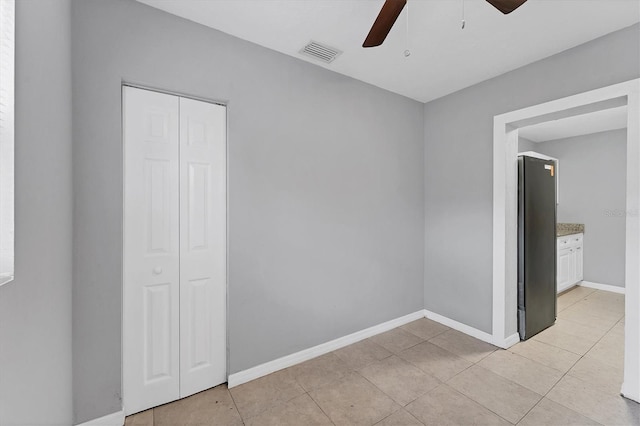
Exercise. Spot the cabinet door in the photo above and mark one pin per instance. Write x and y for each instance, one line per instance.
(579, 263)
(564, 282)
(572, 266)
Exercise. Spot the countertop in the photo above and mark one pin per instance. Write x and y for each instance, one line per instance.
(563, 229)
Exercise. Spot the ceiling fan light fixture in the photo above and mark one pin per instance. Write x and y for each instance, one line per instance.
(391, 10)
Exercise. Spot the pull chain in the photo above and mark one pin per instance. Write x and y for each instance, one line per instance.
(407, 52)
(464, 23)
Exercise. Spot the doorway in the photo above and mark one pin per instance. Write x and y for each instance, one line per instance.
(506, 131)
(174, 254)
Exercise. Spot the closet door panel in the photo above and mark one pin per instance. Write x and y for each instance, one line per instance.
(202, 246)
(151, 373)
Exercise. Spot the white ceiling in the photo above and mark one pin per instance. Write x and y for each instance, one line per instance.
(444, 58)
(585, 124)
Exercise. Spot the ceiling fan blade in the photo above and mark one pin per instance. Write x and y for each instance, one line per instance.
(386, 18)
(506, 6)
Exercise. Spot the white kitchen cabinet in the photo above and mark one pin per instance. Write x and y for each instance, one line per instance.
(563, 269)
(579, 257)
(569, 261)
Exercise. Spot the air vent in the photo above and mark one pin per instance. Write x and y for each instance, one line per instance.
(321, 52)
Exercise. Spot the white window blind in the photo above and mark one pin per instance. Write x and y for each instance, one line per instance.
(7, 54)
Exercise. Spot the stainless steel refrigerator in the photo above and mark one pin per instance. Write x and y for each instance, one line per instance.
(537, 296)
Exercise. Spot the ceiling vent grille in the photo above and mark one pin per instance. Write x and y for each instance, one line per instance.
(321, 52)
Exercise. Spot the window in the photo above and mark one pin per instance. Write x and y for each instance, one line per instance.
(7, 50)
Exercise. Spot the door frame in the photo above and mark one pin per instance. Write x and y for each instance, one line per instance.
(505, 209)
(226, 104)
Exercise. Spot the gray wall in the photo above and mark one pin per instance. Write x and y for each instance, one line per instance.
(525, 144)
(35, 309)
(326, 196)
(459, 165)
(593, 191)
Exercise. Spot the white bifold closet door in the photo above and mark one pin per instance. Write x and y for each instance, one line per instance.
(174, 296)
(203, 291)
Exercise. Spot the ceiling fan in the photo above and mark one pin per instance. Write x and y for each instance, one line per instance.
(391, 10)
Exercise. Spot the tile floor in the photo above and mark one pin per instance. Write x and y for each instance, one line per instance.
(424, 373)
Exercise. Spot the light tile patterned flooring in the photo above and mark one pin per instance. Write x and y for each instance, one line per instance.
(424, 373)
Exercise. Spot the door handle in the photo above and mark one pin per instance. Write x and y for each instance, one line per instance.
(157, 270)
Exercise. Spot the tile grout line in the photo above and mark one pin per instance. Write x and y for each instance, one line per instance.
(408, 347)
(235, 405)
(575, 322)
(555, 384)
(422, 339)
(389, 396)
(446, 350)
(354, 370)
(465, 369)
(407, 411)
(587, 325)
(524, 387)
(590, 347)
(397, 355)
(321, 409)
(579, 300)
(455, 355)
(582, 300)
(550, 389)
(432, 337)
(567, 373)
(541, 396)
(553, 387)
(471, 399)
(440, 382)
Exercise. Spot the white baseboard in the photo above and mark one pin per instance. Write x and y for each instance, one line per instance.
(113, 419)
(567, 288)
(261, 370)
(605, 287)
(629, 395)
(473, 332)
(307, 354)
(508, 342)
